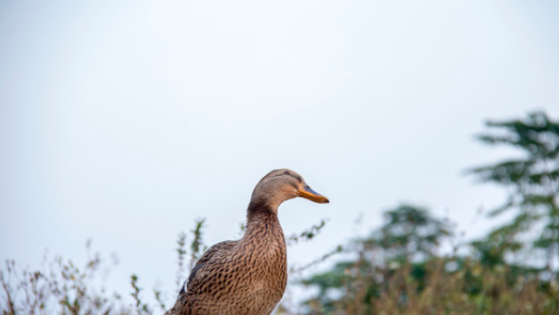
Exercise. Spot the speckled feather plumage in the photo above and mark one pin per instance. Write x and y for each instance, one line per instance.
(243, 277)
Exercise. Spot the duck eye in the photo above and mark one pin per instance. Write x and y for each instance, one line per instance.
(286, 173)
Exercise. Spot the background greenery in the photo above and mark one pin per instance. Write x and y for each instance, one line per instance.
(413, 264)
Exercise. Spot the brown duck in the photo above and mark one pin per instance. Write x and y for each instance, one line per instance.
(247, 276)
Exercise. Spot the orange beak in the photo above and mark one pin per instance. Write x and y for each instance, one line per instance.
(308, 193)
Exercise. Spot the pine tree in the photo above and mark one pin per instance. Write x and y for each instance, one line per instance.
(533, 184)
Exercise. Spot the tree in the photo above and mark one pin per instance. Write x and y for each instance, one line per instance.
(410, 233)
(533, 184)
(397, 270)
(406, 241)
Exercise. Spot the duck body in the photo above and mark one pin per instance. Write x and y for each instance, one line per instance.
(228, 281)
(243, 277)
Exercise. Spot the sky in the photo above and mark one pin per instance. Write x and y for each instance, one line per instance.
(124, 121)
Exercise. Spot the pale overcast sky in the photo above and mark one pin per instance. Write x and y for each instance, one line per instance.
(123, 121)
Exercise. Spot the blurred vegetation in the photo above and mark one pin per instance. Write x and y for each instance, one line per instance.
(401, 269)
(60, 287)
(414, 263)
(532, 183)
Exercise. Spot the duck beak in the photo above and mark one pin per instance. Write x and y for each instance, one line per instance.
(308, 193)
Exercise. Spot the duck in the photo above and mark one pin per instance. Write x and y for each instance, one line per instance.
(247, 276)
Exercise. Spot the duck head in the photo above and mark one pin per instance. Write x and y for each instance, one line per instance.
(281, 185)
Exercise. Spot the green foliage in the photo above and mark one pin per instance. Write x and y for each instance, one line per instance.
(307, 234)
(533, 183)
(398, 271)
(141, 308)
(388, 278)
(409, 232)
(409, 237)
(196, 246)
(181, 252)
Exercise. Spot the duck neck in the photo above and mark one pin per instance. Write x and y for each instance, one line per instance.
(261, 216)
(260, 211)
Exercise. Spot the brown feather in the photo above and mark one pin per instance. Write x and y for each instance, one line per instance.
(247, 276)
